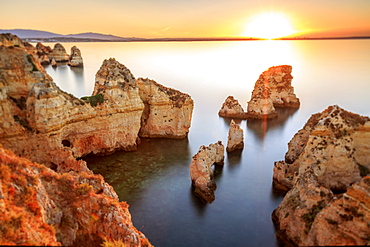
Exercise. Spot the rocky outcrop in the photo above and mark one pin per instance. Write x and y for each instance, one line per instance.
(43, 53)
(34, 110)
(167, 112)
(235, 139)
(41, 207)
(272, 89)
(11, 40)
(75, 59)
(201, 173)
(59, 53)
(325, 172)
(280, 83)
(232, 109)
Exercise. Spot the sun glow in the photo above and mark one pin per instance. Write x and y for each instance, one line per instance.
(269, 26)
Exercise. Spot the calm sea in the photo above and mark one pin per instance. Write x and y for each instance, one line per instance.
(155, 179)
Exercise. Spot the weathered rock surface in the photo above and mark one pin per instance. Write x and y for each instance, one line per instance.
(232, 109)
(235, 138)
(167, 112)
(201, 173)
(325, 172)
(75, 59)
(43, 53)
(59, 53)
(41, 207)
(272, 89)
(10, 40)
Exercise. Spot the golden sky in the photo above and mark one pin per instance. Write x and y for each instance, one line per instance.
(184, 18)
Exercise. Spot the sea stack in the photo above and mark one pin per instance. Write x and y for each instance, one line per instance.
(235, 138)
(59, 53)
(168, 112)
(75, 60)
(232, 109)
(201, 173)
(272, 89)
(326, 173)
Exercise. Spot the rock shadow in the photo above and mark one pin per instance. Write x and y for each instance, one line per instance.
(260, 127)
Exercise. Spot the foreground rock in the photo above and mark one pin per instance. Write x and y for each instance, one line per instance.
(235, 138)
(272, 89)
(201, 173)
(41, 207)
(325, 171)
(167, 112)
(232, 109)
(75, 59)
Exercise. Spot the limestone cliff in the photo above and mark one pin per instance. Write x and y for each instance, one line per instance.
(167, 112)
(232, 109)
(34, 110)
(201, 173)
(272, 89)
(75, 59)
(324, 171)
(235, 139)
(41, 207)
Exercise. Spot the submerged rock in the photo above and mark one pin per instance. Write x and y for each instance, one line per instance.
(325, 172)
(272, 89)
(201, 173)
(232, 109)
(75, 59)
(235, 138)
(167, 112)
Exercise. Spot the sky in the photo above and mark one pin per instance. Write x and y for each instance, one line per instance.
(186, 18)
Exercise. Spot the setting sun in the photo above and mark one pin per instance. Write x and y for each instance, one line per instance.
(269, 26)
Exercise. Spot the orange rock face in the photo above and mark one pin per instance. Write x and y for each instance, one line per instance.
(41, 207)
(272, 89)
(325, 173)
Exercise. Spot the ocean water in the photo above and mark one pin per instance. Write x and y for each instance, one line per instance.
(155, 179)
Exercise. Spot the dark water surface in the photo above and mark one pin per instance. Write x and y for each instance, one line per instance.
(155, 179)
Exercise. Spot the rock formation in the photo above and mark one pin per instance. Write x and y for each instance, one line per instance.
(167, 112)
(43, 53)
(75, 60)
(235, 138)
(59, 53)
(272, 89)
(232, 109)
(41, 207)
(34, 110)
(10, 40)
(201, 173)
(325, 172)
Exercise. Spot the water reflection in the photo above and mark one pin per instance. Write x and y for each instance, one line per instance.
(261, 127)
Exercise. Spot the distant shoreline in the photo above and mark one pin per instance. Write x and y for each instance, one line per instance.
(67, 39)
